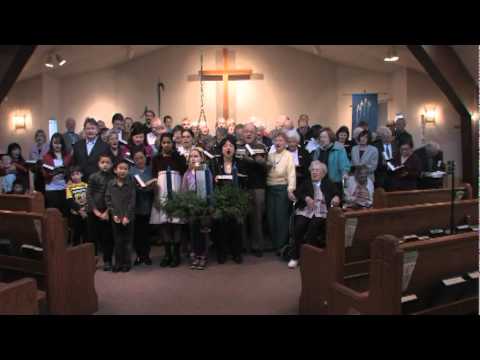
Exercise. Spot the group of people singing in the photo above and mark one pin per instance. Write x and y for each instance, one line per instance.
(108, 181)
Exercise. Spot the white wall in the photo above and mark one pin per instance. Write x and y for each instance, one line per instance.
(294, 82)
(25, 98)
(421, 92)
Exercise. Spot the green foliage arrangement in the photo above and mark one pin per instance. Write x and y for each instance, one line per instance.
(225, 202)
(230, 202)
(187, 205)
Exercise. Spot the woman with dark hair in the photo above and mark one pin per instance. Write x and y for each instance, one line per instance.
(365, 155)
(143, 207)
(342, 136)
(187, 143)
(311, 139)
(116, 150)
(228, 231)
(333, 154)
(14, 150)
(177, 137)
(167, 162)
(136, 141)
(55, 161)
(406, 168)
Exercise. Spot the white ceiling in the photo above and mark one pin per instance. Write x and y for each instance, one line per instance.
(468, 54)
(84, 58)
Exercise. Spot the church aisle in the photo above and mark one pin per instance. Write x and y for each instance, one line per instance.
(259, 286)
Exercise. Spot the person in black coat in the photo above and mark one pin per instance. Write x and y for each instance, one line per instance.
(228, 232)
(387, 150)
(86, 152)
(301, 158)
(431, 158)
(314, 197)
(405, 177)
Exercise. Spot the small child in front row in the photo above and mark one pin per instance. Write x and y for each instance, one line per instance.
(8, 176)
(199, 240)
(77, 203)
(120, 200)
(99, 223)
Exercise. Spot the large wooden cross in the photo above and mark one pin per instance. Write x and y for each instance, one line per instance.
(225, 75)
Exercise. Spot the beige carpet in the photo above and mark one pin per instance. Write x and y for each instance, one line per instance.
(258, 286)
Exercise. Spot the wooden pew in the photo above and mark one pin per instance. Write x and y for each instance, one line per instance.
(33, 202)
(65, 274)
(19, 297)
(436, 259)
(383, 199)
(346, 258)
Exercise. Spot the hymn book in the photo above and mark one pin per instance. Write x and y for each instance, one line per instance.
(394, 168)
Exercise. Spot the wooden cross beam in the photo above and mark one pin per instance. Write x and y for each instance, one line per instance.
(226, 74)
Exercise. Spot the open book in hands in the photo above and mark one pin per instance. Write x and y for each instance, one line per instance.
(394, 168)
(144, 184)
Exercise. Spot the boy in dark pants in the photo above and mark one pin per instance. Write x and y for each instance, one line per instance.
(99, 227)
(77, 203)
(120, 200)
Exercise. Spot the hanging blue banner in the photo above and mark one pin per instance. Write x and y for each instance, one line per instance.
(365, 108)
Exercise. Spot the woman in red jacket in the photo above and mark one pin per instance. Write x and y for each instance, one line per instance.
(55, 164)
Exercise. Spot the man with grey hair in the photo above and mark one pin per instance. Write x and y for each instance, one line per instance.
(254, 154)
(431, 158)
(70, 136)
(387, 150)
(401, 135)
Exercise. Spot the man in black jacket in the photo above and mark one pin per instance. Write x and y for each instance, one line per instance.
(86, 152)
(256, 170)
(314, 197)
(431, 158)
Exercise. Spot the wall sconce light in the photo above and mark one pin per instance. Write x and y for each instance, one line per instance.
(429, 116)
(19, 122)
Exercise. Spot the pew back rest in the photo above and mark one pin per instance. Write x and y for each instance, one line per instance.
(33, 202)
(417, 268)
(364, 226)
(44, 229)
(383, 199)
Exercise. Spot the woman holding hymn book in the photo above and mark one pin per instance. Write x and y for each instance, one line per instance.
(405, 168)
(142, 173)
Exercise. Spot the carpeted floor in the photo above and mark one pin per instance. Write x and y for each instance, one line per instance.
(259, 286)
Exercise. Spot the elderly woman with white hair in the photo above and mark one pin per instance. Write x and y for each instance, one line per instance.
(301, 157)
(314, 197)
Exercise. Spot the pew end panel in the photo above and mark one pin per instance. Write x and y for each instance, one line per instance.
(19, 297)
(81, 267)
(314, 297)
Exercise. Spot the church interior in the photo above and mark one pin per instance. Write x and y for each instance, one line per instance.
(410, 250)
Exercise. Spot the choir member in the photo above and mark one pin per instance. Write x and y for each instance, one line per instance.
(314, 197)
(342, 136)
(228, 231)
(256, 169)
(143, 207)
(86, 152)
(407, 168)
(281, 183)
(167, 159)
(70, 136)
(359, 189)
(332, 154)
(55, 178)
(365, 155)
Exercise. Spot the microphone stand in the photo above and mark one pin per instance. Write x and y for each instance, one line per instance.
(451, 171)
